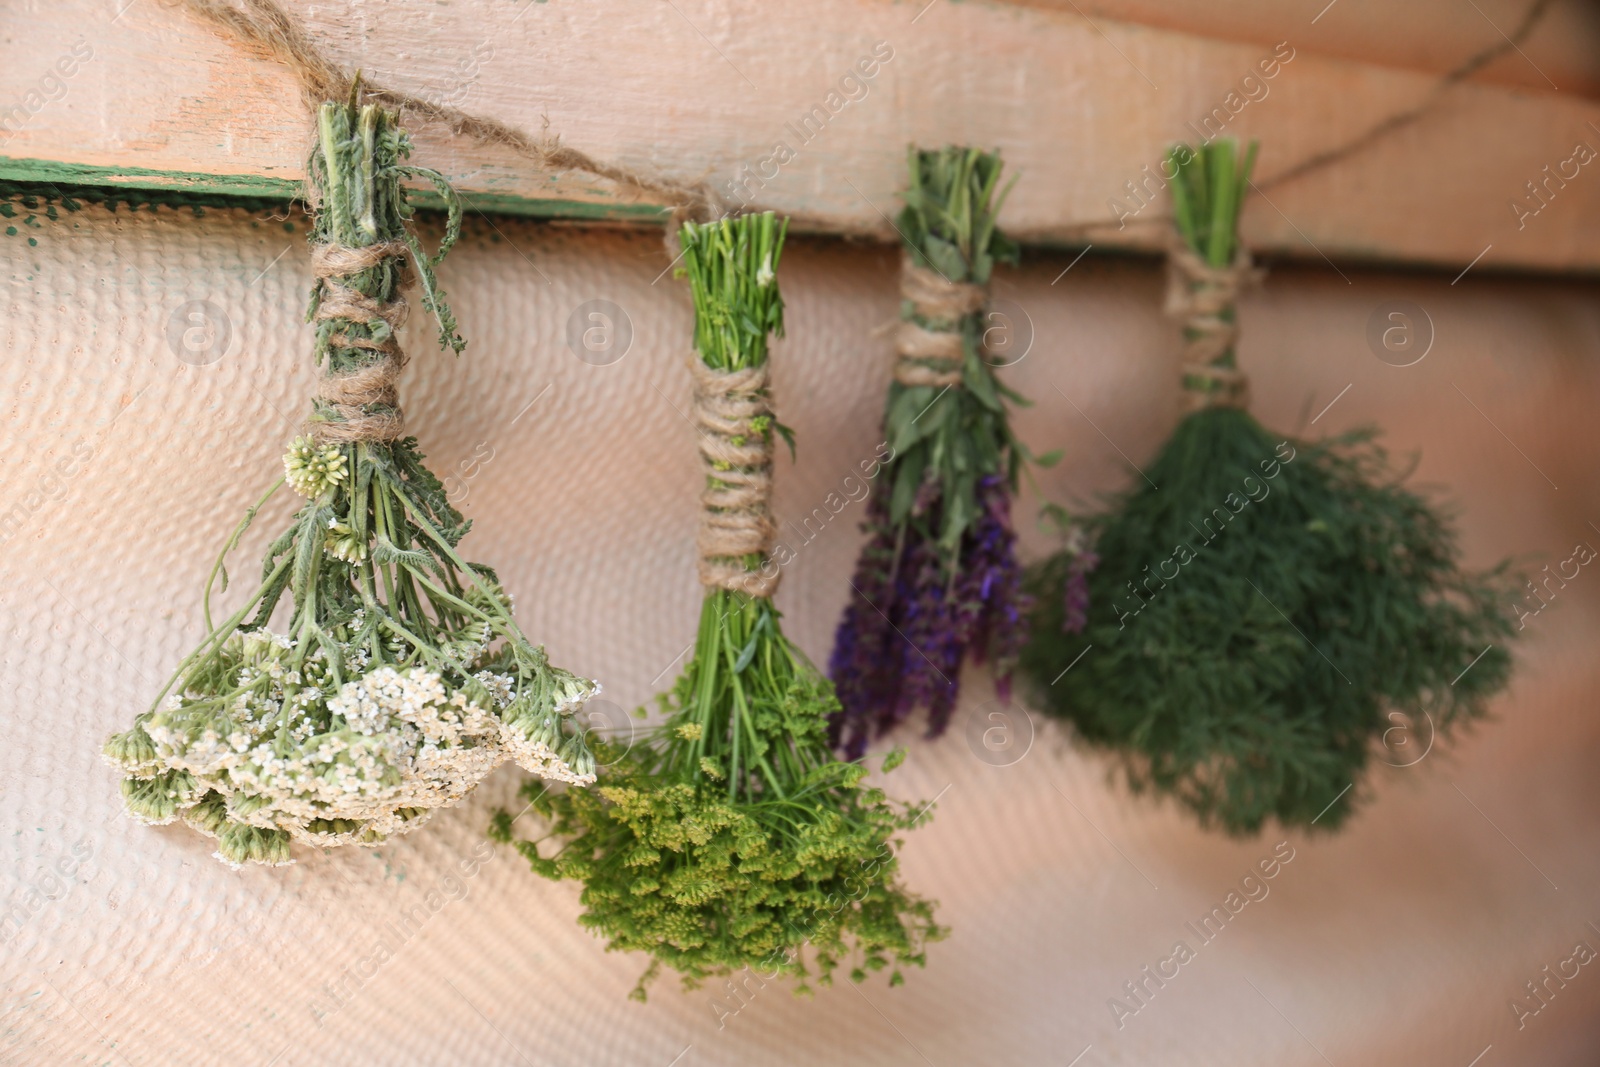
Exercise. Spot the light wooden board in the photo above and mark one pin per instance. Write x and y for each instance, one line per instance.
(1428, 36)
(693, 89)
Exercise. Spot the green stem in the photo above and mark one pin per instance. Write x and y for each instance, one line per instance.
(335, 197)
(230, 545)
(220, 634)
(426, 526)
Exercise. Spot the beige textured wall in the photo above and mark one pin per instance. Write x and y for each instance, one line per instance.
(1399, 942)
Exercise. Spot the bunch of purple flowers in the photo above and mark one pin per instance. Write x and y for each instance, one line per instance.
(913, 620)
(938, 580)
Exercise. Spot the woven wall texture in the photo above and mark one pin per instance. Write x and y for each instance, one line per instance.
(1399, 942)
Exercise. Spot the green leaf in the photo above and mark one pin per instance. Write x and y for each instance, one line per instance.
(907, 479)
(945, 258)
(979, 380)
(906, 420)
(1005, 250)
(1054, 519)
(747, 654)
(787, 433)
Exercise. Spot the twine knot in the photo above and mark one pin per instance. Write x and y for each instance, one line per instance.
(1203, 296)
(736, 451)
(933, 355)
(345, 396)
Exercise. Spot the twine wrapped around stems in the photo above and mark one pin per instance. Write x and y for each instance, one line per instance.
(345, 397)
(927, 356)
(1203, 296)
(736, 520)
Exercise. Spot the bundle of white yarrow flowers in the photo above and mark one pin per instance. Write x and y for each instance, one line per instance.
(400, 679)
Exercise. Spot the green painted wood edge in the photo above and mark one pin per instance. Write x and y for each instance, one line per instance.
(138, 186)
(252, 189)
(51, 172)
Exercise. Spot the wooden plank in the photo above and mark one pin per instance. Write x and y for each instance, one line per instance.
(770, 102)
(1428, 36)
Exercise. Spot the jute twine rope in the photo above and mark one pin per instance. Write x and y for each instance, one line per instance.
(1203, 296)
(266, 25)
(263, 23)
(342, 413)
(735, 517)
(933, 356)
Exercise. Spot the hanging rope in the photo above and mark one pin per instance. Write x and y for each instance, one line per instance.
(347, 399)
(1203, 297)
(933, 354)
(736, 515)
(265, 24)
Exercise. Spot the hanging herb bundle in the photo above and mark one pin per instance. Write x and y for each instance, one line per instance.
(401, 679)
(1263, 607)
(938, 578)
(734, 837)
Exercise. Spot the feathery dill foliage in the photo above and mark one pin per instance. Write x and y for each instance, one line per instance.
(1257, 619)
(938, 578)
(401, 678)
(733, 837)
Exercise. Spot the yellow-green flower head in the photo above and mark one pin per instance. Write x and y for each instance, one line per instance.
(311, 470)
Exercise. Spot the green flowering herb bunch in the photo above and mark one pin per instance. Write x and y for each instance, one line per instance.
(399, 678)
(733, 837)
(1264, 609)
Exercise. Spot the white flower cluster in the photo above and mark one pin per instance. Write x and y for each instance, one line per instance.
(271, 749)
(532, 735)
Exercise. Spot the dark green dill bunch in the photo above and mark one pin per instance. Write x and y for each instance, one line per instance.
(1264, 609)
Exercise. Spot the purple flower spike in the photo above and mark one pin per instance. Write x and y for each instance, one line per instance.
(915, 616)
(1075, 615)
